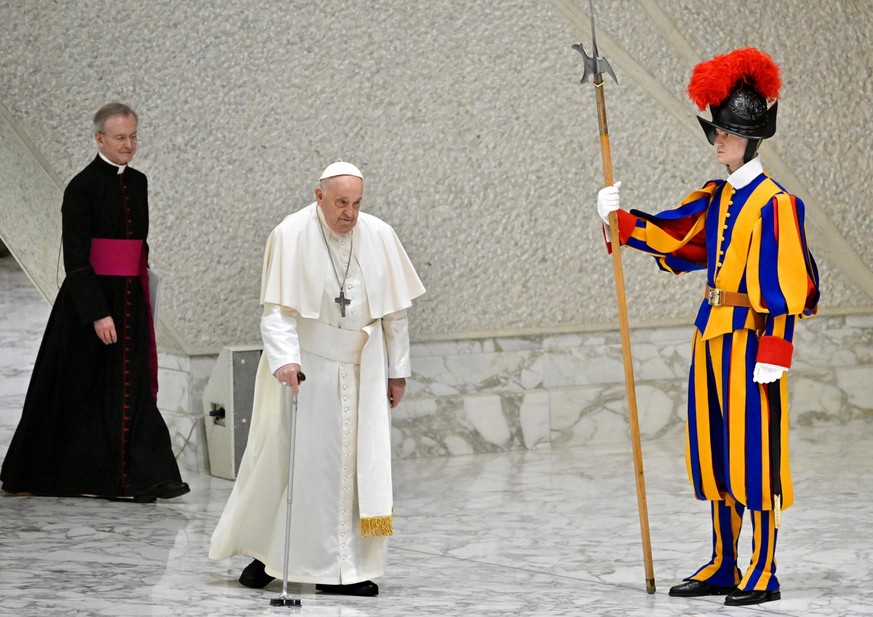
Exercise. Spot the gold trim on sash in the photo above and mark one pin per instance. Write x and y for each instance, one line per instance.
(377, 526)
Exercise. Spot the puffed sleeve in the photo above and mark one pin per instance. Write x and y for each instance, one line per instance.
(786, 275)
(675, 238)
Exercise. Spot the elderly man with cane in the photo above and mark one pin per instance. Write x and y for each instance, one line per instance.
(336, 287)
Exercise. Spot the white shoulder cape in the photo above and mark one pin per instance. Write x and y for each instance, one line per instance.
(296, 258)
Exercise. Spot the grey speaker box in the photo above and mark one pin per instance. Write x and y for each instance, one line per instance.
(227, 408)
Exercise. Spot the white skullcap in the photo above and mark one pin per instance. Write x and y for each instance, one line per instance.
(340, 168)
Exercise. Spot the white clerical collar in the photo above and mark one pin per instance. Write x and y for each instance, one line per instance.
(121, 168)
(746, 173)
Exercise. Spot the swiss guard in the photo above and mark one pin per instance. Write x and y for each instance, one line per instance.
(747, 233)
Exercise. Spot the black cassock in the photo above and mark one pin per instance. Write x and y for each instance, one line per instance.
(90, 423)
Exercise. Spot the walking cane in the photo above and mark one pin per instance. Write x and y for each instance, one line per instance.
(595, 66)
(286, 599)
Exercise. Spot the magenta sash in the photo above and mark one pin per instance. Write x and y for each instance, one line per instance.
(111, 257)
(117, 257)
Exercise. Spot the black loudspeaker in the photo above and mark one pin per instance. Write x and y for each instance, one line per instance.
(227, 406)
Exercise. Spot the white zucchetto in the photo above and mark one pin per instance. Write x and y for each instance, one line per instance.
(340, 168)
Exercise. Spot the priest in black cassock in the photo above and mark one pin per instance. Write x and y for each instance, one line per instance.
(90, 425)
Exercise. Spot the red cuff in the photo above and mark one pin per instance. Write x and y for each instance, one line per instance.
(775, 350)
(626, 224)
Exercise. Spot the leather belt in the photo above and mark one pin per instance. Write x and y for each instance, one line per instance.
(720, 297)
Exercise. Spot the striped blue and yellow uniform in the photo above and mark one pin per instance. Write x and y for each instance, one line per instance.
(750, 240)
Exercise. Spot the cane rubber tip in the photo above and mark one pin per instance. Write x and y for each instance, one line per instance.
(650, 585)
(284, 602)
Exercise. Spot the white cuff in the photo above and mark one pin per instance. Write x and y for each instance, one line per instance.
(395, 326)
(279, 333)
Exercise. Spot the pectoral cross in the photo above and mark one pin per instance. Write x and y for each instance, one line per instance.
(343, 302)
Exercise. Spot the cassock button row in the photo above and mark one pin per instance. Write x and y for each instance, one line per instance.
(727, 214)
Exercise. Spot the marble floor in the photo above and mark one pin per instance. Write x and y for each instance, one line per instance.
(542, 532)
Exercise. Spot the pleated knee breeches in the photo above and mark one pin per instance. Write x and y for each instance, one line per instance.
(729, 430)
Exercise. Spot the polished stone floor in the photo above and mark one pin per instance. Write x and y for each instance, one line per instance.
(543, 532)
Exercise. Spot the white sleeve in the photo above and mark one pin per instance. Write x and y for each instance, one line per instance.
(396, 329)
(279, 333)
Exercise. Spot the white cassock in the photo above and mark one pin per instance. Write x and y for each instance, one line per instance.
(342, 501)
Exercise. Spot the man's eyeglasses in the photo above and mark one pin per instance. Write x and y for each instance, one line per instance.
(120, 139)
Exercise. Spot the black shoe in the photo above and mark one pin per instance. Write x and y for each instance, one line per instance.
(693, 589)
(165, 490)
(364, 588)
(172, 489)
(744, 598)
(254, 576)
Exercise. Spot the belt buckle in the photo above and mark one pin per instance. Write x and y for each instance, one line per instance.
(715, 297)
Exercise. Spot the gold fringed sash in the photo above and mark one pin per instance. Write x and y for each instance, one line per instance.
(377, 526)
(367, 347)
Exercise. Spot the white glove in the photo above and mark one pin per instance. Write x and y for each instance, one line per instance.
(767, 373)
(607, 201)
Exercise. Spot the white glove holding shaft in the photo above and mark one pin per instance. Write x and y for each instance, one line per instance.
(767, 373)
(607, 201)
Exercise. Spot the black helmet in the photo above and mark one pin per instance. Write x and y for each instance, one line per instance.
(736, 88)
(744, 112)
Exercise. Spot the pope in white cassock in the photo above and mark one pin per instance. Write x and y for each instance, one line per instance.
(336, 286)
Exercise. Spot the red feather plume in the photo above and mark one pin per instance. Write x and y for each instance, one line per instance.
(712, 81)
